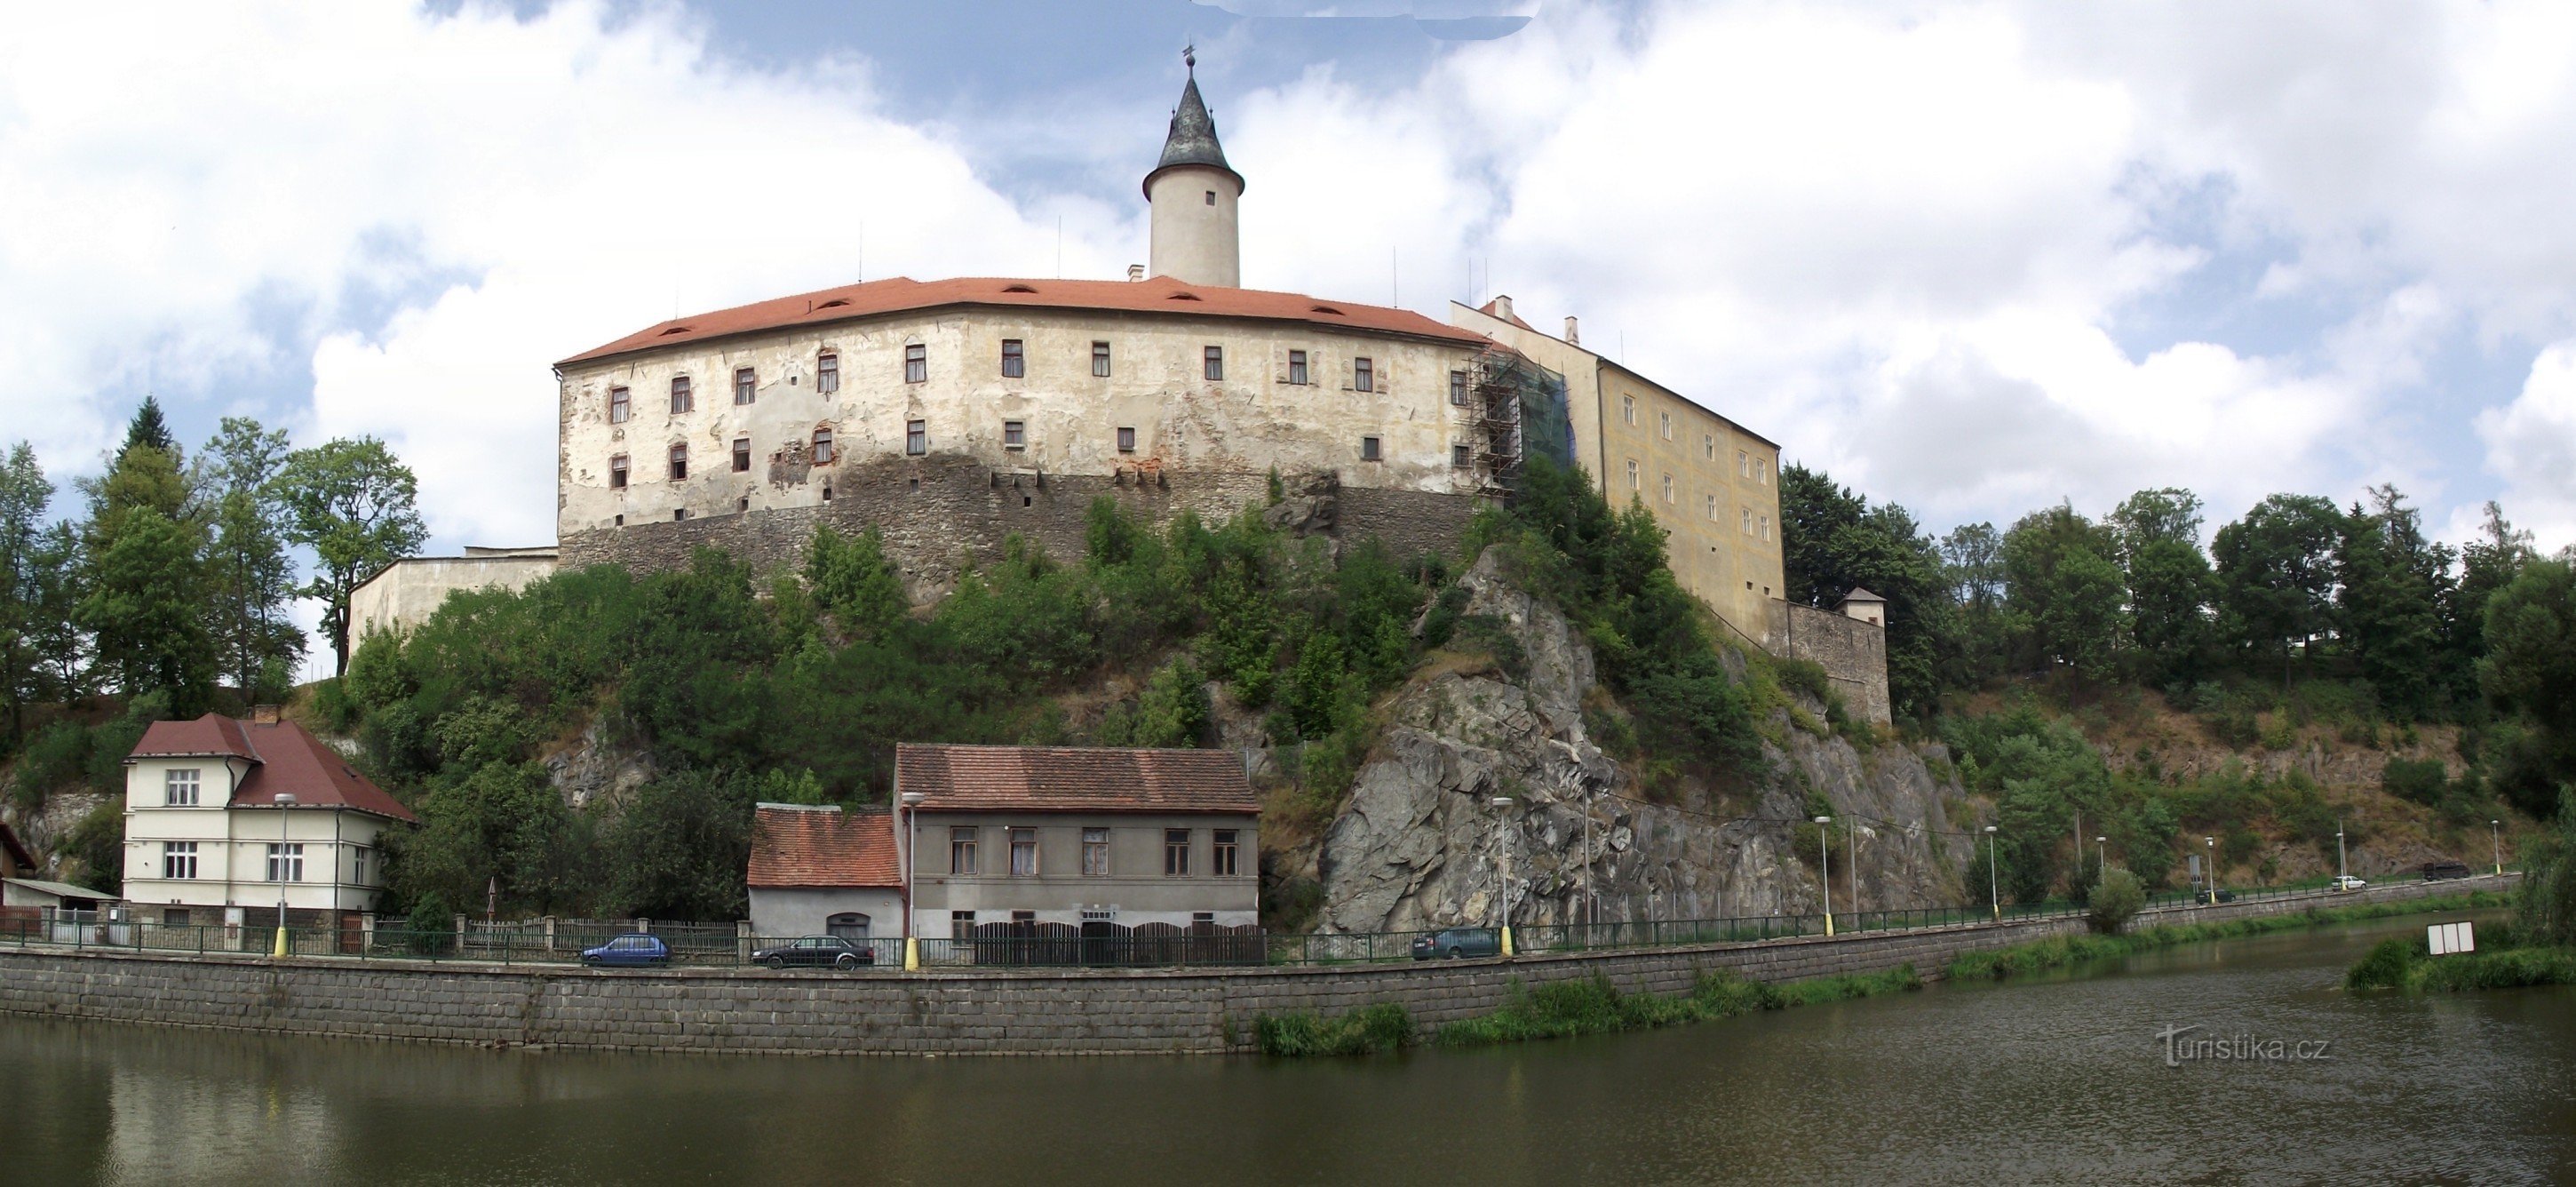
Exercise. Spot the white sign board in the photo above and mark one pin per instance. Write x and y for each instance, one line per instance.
(2447, 938)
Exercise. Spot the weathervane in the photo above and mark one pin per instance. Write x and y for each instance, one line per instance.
(1190, 58)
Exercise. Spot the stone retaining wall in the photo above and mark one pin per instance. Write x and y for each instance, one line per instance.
(939, 1012)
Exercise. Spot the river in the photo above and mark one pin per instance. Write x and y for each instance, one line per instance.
(2063, 1079)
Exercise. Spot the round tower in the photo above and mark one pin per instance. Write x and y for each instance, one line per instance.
(1193, 193)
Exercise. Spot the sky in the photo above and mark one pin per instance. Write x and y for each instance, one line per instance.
(1975, 258)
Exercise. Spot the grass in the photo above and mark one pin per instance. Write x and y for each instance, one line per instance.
(2058, 952)
(1364, 1031)
(1565, 1009)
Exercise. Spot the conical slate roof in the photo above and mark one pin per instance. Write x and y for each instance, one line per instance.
(1192, 140)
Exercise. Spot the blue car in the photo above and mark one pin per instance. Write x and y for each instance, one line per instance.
(633, 948)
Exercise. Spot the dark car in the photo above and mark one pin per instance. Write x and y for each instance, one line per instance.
(1458, 942)
(2203, 896)
(633, 948)
(816, 952)
(2435, 871)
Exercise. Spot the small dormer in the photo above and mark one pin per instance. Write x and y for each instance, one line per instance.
(1865, 606)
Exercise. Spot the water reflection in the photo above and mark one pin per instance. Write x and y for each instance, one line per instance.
(2062, 1081)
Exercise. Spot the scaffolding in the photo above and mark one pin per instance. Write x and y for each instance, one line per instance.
(1505, 398)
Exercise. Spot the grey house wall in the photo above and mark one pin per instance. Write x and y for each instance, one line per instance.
(804, 911)
(1136, 884)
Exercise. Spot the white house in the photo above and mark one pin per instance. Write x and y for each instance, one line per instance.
(225, 819)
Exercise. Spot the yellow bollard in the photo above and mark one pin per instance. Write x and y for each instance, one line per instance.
(911, 955)
(281, 941)
(1507, 939)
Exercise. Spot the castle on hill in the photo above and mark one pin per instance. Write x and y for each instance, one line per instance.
(949, 414)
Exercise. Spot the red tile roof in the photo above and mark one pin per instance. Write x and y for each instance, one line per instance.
(902, 294)
(285, 760)
(798, 846)
(1065, 779)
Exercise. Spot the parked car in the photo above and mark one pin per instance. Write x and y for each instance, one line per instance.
(1457, 942)
(2344, 882)
(816, 952)
(2224, 895)
(633, 948)
(2435, 871)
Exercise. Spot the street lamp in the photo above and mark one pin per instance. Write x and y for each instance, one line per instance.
(2209, 889)
(283, 801)
(2343, 869)
(1825, 857)
(2495, 836)
(1503, 868)
(1994, 881)
(2101, 856)
(911, 858)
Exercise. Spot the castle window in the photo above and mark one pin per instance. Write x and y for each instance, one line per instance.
(679, 462)
(1712, 508)
(1766, 527)
(1214, 365)
(1126, 440)
(1628, 409)
(827, 492)
(1363, 375)
(1014, 364)
(617, 472)
(1100, 359)
(916, 437)
(681, 400)
(1458, 388)
(742, 455)
(1743, 464)
(1745, 522)
(1369, 449)
(1015, 435)
(1708, 446)
(1634, 482)
(619, 406)
(1461, 456)
(621, 520)
(746, 385)
(1211, 197)
(1668, 489)
(681, 514)
(916, 363)
(827, 373)
(822, 446)
(742, 504)
(1297, 367)
(1665, 424)
(1762, 472)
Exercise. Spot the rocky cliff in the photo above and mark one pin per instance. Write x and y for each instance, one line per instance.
(1421, 843)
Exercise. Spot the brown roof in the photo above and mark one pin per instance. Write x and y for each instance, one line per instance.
(285, 760)
(799, 846)
(1067, 779)
(902, 294)
(1489, 310)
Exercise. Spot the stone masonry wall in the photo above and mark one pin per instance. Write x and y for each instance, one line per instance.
(941, 1012)
(940, 514)
(1853, 653)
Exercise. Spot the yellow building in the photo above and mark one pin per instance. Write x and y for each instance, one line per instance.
(1712, 483)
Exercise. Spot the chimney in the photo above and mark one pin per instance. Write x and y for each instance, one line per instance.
(1135, 272)
(263, 715)
(1571, 337)
(1502, 306)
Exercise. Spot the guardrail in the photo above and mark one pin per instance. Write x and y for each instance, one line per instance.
(1011, 946)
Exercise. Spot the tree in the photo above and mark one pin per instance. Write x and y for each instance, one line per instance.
(353, 504)
(251, 574)
(2158, 536)
(2530, 668)
(143, 594)
(148, 430)
(2487, 564)
(2067, 596)
(2392, 587)
(2276, 574)
(24, 495)
(852, 579)
(2116, 899)
(1973, 559)
(1832, 540)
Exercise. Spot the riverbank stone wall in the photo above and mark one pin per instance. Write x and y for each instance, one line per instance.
(937, 1012)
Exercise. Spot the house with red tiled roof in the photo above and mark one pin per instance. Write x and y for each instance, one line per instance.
(1078, 841)
(825, 871)
(229, 821)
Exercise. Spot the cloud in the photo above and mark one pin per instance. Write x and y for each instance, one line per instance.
(2531, 445)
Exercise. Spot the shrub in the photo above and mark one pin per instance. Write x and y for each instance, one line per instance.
(56, 756)
(2418, 781)
(2116, 899)
(1364, 1031)
(2387, 966)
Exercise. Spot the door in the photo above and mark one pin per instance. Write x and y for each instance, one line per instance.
(849, 925)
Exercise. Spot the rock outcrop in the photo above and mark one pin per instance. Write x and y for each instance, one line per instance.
(1423, 843)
